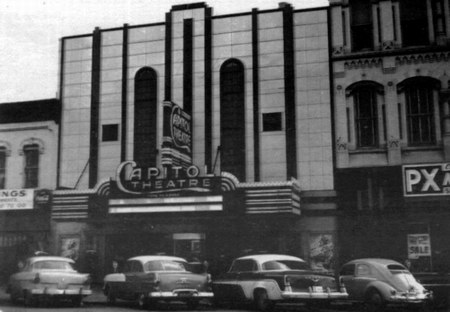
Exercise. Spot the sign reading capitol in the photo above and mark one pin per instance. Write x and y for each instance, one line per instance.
(132, 179)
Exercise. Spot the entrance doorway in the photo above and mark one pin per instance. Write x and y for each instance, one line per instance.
(189, 245)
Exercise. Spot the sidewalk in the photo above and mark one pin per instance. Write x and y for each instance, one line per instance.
(96, 297)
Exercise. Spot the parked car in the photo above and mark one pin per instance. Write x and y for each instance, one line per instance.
(382, 282)
(148, 279)
(47, 278)
(267, 279)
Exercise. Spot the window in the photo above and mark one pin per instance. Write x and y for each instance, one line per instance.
(420, 98)
(365, 106)
(31, 153)
(232, 118)
(272, 122)
(414, 22)
(348, 269)
(245, 265)
(110, 133)
(2, 167)
(362, 270)
(438, 17)
(361, 25)
(145, 127)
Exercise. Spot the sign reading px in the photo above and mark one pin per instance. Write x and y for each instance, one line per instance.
(426, 180)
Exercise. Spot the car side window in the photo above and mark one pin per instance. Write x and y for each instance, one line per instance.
(244, 265)
(348, 269)
(362, 270)
(137, 267)
(128, 267)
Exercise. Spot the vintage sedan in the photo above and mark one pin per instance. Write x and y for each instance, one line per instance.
(381, 282)
(267, 279)
(149, 279)
(48, 278)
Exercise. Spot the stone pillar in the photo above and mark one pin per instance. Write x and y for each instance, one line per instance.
(394, 156)
(341, 127)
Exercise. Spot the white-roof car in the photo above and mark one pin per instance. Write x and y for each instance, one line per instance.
(48, 278)
(149, 279)
(272, 278)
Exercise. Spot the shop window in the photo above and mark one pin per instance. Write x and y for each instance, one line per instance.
(420, 100)
(414, 22)
(31, 170)
(365, 108)
(232, 118)
(145, 127)
(361, 25)
(2, 167)
(110, 133)
(272, 122)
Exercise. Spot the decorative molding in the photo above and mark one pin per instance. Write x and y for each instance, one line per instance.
(423, 58)
(394, 144)
(387, 45)
(7, 147)
(363, 63)
(31, 141)
(341, 146)
(338, 51)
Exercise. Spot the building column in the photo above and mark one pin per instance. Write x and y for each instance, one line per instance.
(394, 156)
(445, 100)
(342, 126)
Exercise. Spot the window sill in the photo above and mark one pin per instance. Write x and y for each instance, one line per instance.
(421, 148)
(368, 151)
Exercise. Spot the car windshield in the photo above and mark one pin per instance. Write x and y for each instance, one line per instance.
(397, 268)
(284, 265)
(164, 265)
(52, 265)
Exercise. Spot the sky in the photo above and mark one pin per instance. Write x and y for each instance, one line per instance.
(30, 31)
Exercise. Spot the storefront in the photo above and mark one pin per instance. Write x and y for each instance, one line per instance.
(397, 212)
(24, 226)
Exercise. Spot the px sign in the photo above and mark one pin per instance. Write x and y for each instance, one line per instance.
(426, 180)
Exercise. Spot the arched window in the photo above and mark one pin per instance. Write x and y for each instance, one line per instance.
(145, 109)
(361, 25)
(31, 170)
(365, 106)
(2, 167)
(232, 118)
(420, 101)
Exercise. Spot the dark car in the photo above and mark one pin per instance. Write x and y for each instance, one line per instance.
(269, 279)
(47, 278)
(382, 282)
(148, 279)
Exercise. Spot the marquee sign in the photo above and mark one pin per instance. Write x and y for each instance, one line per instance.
(177, 136)
(426, 180)
(16, 199)
(156, 182)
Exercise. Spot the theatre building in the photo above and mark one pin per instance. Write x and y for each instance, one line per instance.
(199, 135)
(28, 155)
(390, 67)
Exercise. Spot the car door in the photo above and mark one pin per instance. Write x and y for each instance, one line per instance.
(363, 276)
(247, 278)
(134, 278)
(228, 287)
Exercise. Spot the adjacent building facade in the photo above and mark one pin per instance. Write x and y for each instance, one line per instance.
(390, 65)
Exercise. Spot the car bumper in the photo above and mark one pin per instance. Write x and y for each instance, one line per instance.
(313, 295)
(410, 299)
(181, 294)
(61, 292)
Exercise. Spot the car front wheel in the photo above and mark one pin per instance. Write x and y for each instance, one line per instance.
(262, 301)
(142, 301)
(375, 302)
(110, 298)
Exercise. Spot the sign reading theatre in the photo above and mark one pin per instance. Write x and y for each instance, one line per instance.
(154, 181)
(426, 180)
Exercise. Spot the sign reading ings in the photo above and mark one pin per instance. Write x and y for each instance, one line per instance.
(16, 199)
(158, 182)
(426, 180)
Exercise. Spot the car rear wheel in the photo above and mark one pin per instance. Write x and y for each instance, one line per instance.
(262, 301)
(77, 301)
(192, 304)
(142, 302)
(110, 298)
(375, 302)
(28, 299)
